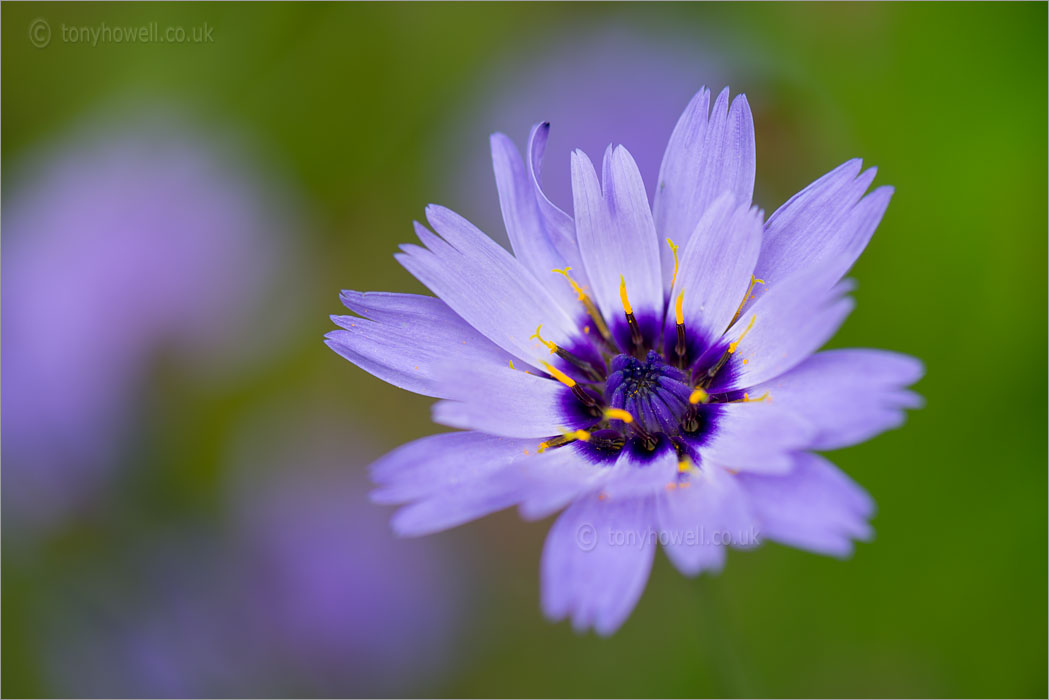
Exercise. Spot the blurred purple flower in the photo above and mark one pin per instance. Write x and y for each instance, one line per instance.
(662, 393)
(120, 244)
(598, 86)
(344, 606)
(304, 593)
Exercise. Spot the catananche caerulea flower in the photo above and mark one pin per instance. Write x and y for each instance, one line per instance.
(651, 371)
(166, 241)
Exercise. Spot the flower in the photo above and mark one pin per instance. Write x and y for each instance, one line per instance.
(656, 392)
(164, 241)
(297, 593)
(605, 82)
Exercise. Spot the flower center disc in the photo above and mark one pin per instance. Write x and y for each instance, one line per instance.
(655, 393)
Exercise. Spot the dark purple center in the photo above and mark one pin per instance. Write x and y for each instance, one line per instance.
(653, 392)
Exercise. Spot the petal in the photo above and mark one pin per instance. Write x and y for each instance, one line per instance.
(486, 286)
(632, 475)
(525, 223)
(708, 154)
(758, 436)
(559, 225)
(596, 561)
(617, 238)
(788, 322)
(407, 338)
(449, 479)
(552, 483)
(814, 507)
(508, 402)
(436, 463)
(848, 395)
(702, 515)
(715, 268)
(824, 225)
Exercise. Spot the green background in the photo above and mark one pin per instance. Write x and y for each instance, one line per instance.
(949, 100)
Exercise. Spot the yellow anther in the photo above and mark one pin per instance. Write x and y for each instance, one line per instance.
(684, 466)
(559, 375)
(679, 316)
(746, 398)
(746, 297)
(512, 365)
(623, 296)
(564, 439)
(592, 310)
(619, 414)
(673, 249)
(578, 290)
(732, 346)
(547, 343)
(699, 395)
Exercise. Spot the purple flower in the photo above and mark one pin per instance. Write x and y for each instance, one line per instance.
(122, 243)
(657, 392)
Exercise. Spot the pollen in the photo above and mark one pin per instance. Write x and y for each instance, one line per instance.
(619, 414)
(699, 395)
(733, 346)
(679, 316)
(684, 466)
(559, 375)
(673, 249)
(551, 346)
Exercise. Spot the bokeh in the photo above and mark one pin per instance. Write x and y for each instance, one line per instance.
(184, 463)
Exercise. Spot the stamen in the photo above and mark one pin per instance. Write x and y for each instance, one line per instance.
(681, 348)
(635, 330)
(673, 249)
(746, 297)
(699, 395)
(559, 375)
(567, 437)
(732, 346)
(551, 346)
(577, 391)
(591, 309)
(623, 297)
(746, 398)
(588, 369)
(618, 414)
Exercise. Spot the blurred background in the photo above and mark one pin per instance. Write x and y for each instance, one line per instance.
(184, 482)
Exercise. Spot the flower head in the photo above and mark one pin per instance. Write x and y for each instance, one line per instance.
(651, 371)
